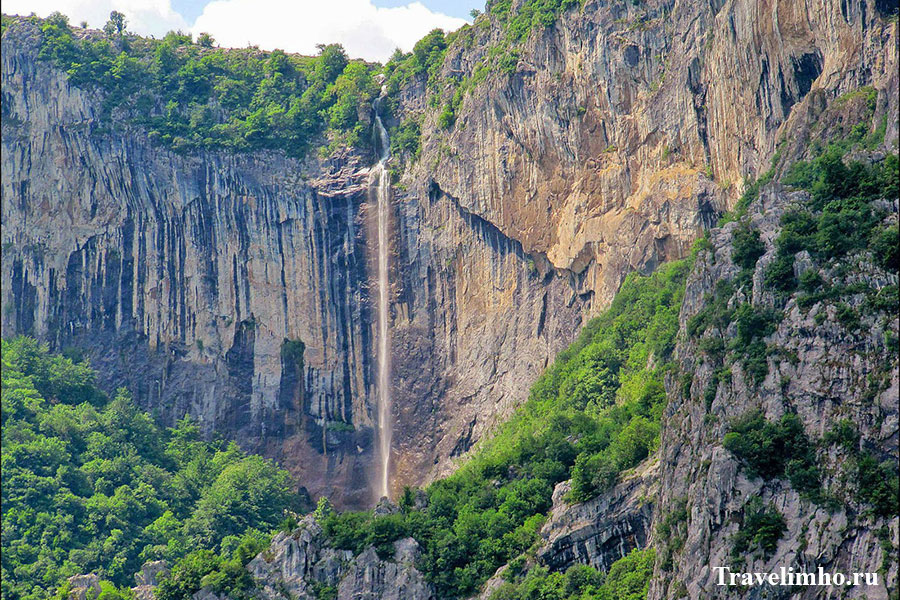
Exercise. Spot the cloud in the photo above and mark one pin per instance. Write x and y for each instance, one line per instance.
(365, 30)
(147, 17)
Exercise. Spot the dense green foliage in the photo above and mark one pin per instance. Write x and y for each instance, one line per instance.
(191, 95)
(760, 530)
(753, 324)
(224, 573)
(628, 579)
(770, 449)
(747, 246)
(593, 414)
(841, 216)
(518, 24)
(406, 139)
(92, 484)
(782, 449)
(426, 58)
(502, 56)
(875, 483)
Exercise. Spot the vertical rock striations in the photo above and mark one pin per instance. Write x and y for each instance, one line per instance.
(239, 288)
(191, 279)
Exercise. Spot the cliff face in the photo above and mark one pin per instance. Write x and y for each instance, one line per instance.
(624, 129)
(626, 123)
(819, 369)
(190, 279)
(182, 277)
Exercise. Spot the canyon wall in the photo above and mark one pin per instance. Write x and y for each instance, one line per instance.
(623, 132)
(236, 287)
(191, 278)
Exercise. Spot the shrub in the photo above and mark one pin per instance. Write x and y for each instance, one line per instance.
(760, 530)
(840, 217)
(715, 311)
(780, 273)
(713, 347)
(797, 232)
(810, 281)
(843, 433)
(627, 579)
(775, 449)
(878, 484)
(406, 138)
(753, 323)
(748, 247)
(883, 244)
(847, 317)
(885, 300)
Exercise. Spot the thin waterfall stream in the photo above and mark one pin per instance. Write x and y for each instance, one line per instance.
(381, 178)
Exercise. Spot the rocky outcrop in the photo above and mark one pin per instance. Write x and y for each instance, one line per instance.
(182, 277)
(818, 369)
(295, 562)
(84, 587)
(604, 529)
(302, 564)
(147, 579)
(370, 578)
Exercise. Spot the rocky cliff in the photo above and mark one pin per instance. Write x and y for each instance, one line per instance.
(235, 288)
(187, 277)
(830, 362)
(623, 130)
(829, 373)
(303, 565)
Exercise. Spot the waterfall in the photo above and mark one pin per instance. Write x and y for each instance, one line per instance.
(382, 179)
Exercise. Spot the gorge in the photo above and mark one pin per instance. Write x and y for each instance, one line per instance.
(567, 288)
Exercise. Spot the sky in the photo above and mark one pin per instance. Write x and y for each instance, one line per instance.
(369, 29)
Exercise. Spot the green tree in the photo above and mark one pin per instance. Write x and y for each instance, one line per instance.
(116, 24)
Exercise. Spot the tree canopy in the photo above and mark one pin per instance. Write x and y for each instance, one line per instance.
(93, 484)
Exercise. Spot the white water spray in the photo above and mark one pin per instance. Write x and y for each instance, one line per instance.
(382, 179)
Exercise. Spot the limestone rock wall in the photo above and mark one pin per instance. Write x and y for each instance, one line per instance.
(301, 564)
(186, 277)
(623, 132)
(183, 276)
(626, 123)
(822, 372)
